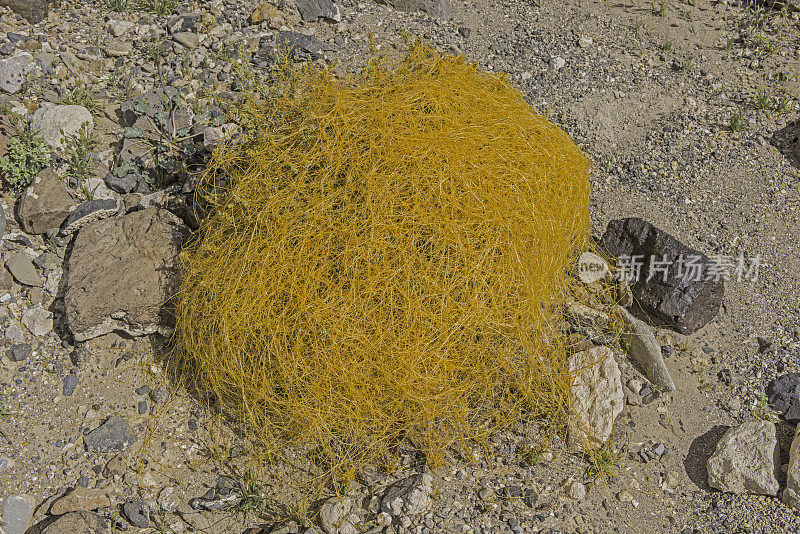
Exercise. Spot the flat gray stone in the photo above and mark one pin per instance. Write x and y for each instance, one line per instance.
(14, 71)
(17, 513)
(642, 347)
(23, 270)
(311, 10)
(114, 435)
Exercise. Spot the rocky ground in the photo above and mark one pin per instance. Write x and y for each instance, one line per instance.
(688, 111)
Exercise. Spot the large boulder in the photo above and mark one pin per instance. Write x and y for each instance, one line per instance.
(791, 495)
(676, 286)
(596, 396)
(45, 204)
(55, 123)
(32, 10)
(81, 522)
(122, 272)
(746, 460)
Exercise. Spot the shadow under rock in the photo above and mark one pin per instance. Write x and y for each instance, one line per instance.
(786, 139)
(700, 451)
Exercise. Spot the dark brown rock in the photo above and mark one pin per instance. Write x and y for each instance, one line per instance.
(32, 10)
(672, 297)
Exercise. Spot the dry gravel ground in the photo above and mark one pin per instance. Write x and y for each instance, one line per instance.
(648, 91)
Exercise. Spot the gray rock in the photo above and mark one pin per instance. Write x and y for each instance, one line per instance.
(300, 46)
(38, 320)
(55, 123)
(556, 63)
(409, 496)
(642, 347)
(14, 72)
(190, 40)
(122, 184)
(597, 397)
(117, 28)
(47, 261)
(78, 523)
(70, 383)
(17, 513)
(144, 246)
(576, 490)
(336, 518)
(311, 10)
(435, 8)
(19, 352)
(791, 495)
(137, 513)
(783, 393)
(113, 435)
(44, 204)
(668, 294)
(23, 270)
(88, 212)
(14, 334)
(747, 460)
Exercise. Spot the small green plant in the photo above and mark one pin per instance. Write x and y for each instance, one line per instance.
(763, 100)
(738, 122)
(28, 155)
(667, 45)
(120, 6)
(762, 411)
(78, 151)
(659, 10)
(603, 461)
(159, 7)
(81, 95)
(637, 27)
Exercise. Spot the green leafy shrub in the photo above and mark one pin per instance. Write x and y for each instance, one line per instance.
(28, 154)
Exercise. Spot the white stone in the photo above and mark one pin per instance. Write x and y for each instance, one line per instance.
(746, 460)
(38, 320)
(335, 516)
(557, 63)
(596, 395)
(56, 122)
